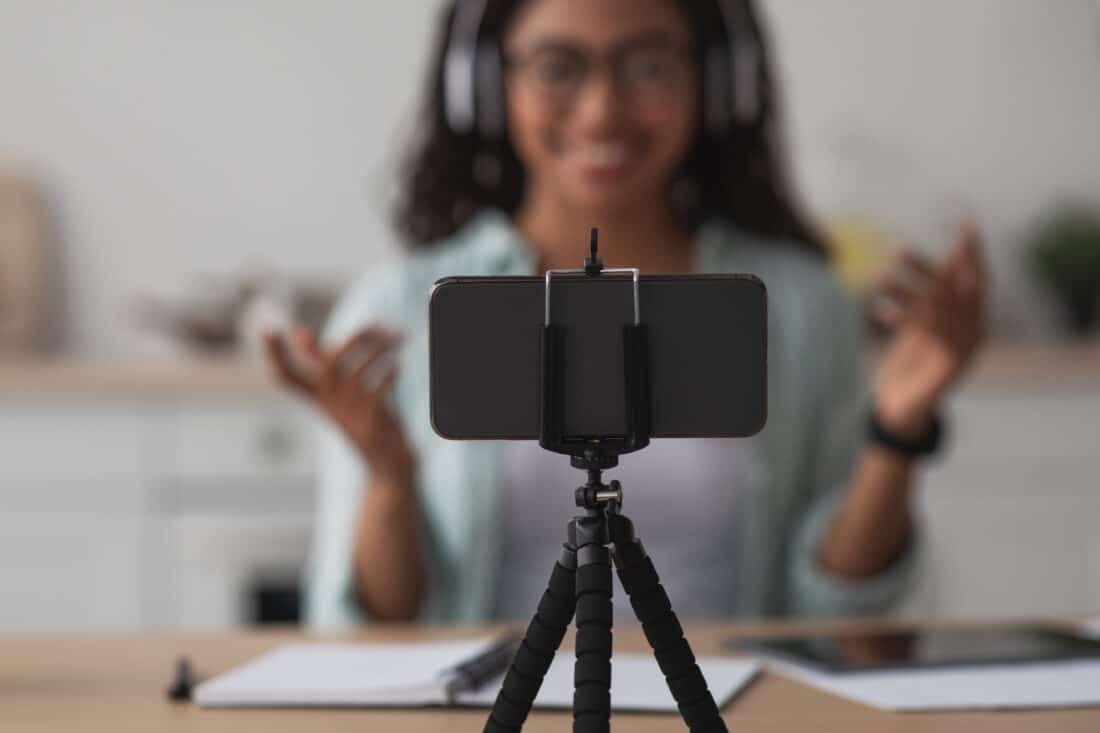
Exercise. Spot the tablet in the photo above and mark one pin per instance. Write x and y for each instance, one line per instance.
(896, 649)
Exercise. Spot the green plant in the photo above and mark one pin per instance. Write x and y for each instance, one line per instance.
(1065, 256)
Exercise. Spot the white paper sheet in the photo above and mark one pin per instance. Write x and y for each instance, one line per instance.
(1038, 685)
(328, 674)
(324, 674)
(636, 683)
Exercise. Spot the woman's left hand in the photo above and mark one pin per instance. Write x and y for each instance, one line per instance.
(936, 315)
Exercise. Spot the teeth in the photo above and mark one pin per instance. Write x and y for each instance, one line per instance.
(603, 154)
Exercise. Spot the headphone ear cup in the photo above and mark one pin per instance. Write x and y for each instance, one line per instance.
(717, 91)
(745, 86)
(489, 91)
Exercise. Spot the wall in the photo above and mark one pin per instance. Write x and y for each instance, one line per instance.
(919, 111)
(180, 137)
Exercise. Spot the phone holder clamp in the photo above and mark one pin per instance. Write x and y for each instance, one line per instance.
(595, 451)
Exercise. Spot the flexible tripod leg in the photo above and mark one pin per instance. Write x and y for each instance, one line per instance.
(540, 643)
(662, 629)
(592, 672)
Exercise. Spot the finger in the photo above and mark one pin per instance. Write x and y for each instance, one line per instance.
(887, 313)
(368, 340)
(969, 232)
(971, 300)
(941, 287)
(279, 357)
(381, 357)
(956, 324)
(363, 378)
(309, 355)
(898, 291)
(305, 340)
(368, 410)
(385, 383)
(969, 271)
(362, 403)
(968, 280)
(967, 249)
(906, 267)
(916, 266)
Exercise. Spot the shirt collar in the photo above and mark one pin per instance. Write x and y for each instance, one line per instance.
(498, 244)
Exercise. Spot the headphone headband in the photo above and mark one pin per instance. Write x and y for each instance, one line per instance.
(471, 101)
(460, 65)
(744, 60)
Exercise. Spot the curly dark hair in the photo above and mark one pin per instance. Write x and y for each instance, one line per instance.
(737, 176)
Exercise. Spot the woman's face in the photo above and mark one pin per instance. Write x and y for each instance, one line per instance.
(602, 98)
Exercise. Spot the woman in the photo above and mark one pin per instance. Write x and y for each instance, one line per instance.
(654, 120)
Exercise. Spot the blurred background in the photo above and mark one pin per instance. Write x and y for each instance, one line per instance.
(174, 176)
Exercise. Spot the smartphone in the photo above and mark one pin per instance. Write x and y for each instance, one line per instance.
(707, 354)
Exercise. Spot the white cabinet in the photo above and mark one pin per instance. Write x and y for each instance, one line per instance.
(71, 516)
(247, 440)
(234, 508)
(1013, 513)
(61, 457)
(215, 560)
(140, 501)
(71, 571)
(148, 507)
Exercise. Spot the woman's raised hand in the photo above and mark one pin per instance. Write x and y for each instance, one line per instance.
(936, 315)
(349, 383)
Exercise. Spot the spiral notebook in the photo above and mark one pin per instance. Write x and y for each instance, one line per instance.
(418, 675)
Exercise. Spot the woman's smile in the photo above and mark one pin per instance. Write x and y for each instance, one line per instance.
(602, 159)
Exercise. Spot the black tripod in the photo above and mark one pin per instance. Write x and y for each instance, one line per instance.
(580, 583)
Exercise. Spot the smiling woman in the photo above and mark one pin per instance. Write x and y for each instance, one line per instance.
(676, 94)
(655, 120)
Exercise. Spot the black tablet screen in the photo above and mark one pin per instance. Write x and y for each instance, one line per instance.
(858, 651)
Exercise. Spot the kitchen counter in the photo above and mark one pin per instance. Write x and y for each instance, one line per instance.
(1001, 365)
(113, 379)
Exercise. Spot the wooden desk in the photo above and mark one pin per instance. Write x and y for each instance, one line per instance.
(117, 684)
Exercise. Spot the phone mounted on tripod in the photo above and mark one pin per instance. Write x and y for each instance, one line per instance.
(580, 585)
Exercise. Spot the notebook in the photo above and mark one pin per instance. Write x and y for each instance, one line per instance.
(416, 675)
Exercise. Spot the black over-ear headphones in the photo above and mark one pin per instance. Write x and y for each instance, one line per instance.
(473, 83)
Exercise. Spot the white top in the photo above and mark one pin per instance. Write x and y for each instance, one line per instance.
(680, 494)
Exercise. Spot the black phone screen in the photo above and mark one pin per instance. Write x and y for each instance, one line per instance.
(707, 349)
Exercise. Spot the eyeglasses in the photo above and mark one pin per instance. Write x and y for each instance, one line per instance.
(644, 73)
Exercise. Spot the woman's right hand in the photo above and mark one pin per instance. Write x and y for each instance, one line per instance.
(350, 383)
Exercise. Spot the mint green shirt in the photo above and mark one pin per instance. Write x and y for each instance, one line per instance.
(789, 483)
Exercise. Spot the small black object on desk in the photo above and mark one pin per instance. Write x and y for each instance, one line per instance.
(183, 683)
(473, 673)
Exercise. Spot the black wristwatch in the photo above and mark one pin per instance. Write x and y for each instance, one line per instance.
(925, 445)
